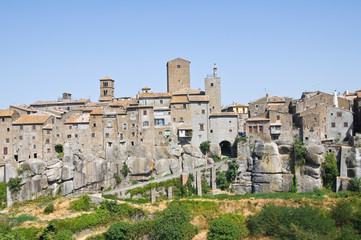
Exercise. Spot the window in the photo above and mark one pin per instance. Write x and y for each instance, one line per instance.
(3, 119)
(145, 112)
(20, 137)
(211, 131)
(174, 119)
(159, 122)
(250, 129)
(345, 124)
(76, 135)
(311, 129)
(70, 127)
(178, 66)
(145, 124)
(161, 101)
(132, 114)
(211, 84)
(133, 125)
(7, 140)
(47, 141)
(58, 135)
(201, 127)
(184, 105)
(132, 143)
(35, 155)
(124, 126)
(93, 135)
(110, 144)
(109, 124)
(333, 125)
(278, 117)
(339, 114)
(230, 121)
(181, 119)
(48, 150)
(5, 150)
(106, 134)
(8, 129)
(69, 136)
(203, 111)
(34, 146)
(199, 103)
(256, 105)
(94, 124)
(133, 134)
(34, 127)
(33, 137)
(53, 120)
(121, 135)
(261, 129)
(230, 130)
(21, 127)
(179, 80)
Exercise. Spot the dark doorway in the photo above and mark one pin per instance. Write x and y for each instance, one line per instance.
(226, 148)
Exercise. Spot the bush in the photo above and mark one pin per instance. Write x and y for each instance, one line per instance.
(23, 167)
(231, 173)
(117, 231)
(14, 184)
(300, 152)
(221, 181)
(125, 170)
(347, 213)
(204, 146)
(118, 180)
(59, 148)
(82, 204)
(3, 195)
(141, 229)
(292, 223)
(17, 221)
(22, 233)
(64, 235)
(329, 171)
(355, 184)
(173, 223)
(49, 209)
(228, 226)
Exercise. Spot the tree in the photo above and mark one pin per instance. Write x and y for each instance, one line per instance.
(118, 231)
(231, 173)
(125, 170)
(329, 171)
(300, 152)
(204, 146)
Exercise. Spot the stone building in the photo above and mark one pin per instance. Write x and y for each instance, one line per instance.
(106, 90)
(178, 75)
(357, 111)
(7, 117)
(243, 113)
(213, 90)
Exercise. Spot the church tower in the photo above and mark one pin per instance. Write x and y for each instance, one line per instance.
(213, 90)
(106, 90)
(178, 75)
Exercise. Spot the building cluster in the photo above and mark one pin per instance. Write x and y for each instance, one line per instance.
(181, 115)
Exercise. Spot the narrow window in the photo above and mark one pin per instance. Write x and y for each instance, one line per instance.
(8, 129)
(106, 134)
(70, 127)
(161, 101)
(20, 137)
(93, 135)
(69, 136)
(34, 127)
(5, 150)
(211, 84)
(7, 140)
(94, 124)
(333, 125)
(145, 112)
(21, 127)
(201, 127)
(261, 129)
(278, 117)
(345, 124)
(339, 114)
(181, 119)
(203, 111)
(211, 131)
(3, 119)
(178, 66)
(47, 141)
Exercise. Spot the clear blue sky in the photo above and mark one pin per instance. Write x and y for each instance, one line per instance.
(282, 47)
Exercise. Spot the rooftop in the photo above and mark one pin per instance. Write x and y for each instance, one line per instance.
(32, 119)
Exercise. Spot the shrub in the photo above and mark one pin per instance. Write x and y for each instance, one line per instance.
(293, 188)
(222, 229)
(118, 231)
(134, 182)
(189, 184)
(216, 159)
(141, 229)
(49, 209)
(14, 184)
(82, 204)
(347, 213)
(329, 171)
(173, 223)
(23, 233)
(204, 146)
(221, 181)
(300, 152)
(292, 223)
(231, 173)
(355, 184)
(60, 155)
(17, 221)
(64, 235)
(59, 148)
(3, 195)
(118, 180)
(125, 170)
(23, 167)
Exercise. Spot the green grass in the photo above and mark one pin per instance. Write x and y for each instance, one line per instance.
(17, 221)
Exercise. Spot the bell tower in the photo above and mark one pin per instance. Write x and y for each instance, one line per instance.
(106, 90)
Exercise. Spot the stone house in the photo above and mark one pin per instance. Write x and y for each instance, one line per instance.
(7, 117)
(281, 127)
(243, 113)
(258, 125)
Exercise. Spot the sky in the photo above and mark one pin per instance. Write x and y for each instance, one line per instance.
(278, 47)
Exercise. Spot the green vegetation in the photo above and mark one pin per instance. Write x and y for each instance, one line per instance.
(173, 223)
(145, 191)
(125, 170)
(118, 180)
(82, 204)
(3, 195)
(17, 221)
(49, 209)
(23, 167)
(231, 173)
(329, 171)
(221, 180)
(300, 152)
(216, 159)
(355, 184)
(14, 184)
(293, 188)
(292, 223)
(189, 184)
(228, 227)
(60, 150)
(60, 155)
(204, 146)
(118, 231)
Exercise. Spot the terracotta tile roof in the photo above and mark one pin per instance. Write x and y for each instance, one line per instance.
(185, 128)
(78, 118)
(276, 99)
(224, 114)
(32, 119)
(178, 59)
(106, 78)
(97, 111)
(49, 126)
(359, 94)
(179, 100)
(23, 108)
(186, 91)
(121, 103)
(105, 98)
(154, 95)
(40, 103)
(257, 119)
(200, 98)
(6, 113)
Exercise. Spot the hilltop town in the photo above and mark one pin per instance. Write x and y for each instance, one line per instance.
(67, 146)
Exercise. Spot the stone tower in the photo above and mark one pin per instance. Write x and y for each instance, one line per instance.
(178, 76)
(106, 90)
(213, 90)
